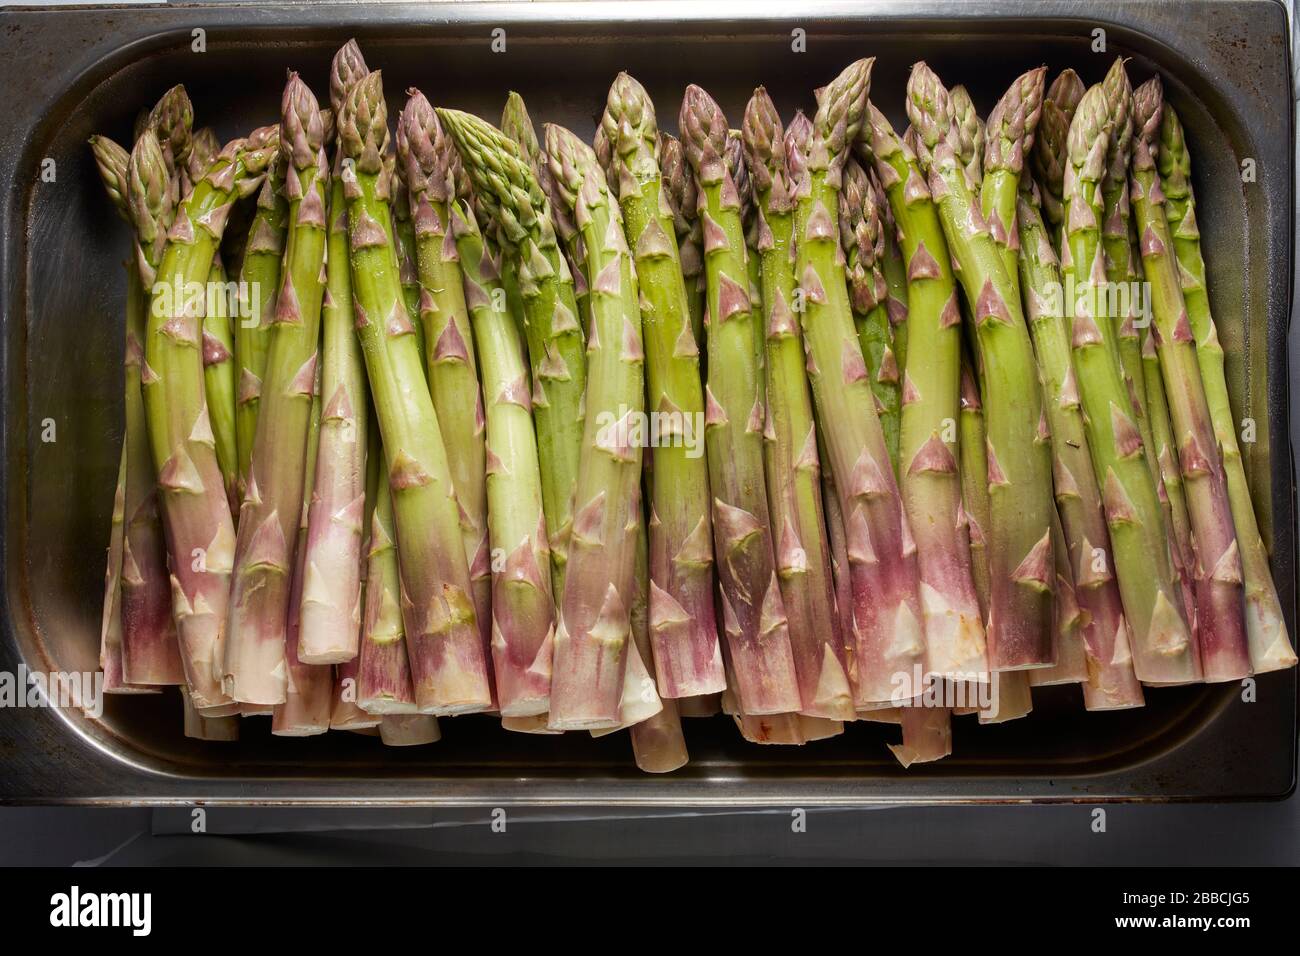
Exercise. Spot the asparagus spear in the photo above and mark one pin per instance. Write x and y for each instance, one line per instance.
(268, 520)
(199, 727)
(1123, 266)
(430, 161)
(110, 635)
(204, 147)
(683, 202)
(1169, 479)
(219, 375)
(517, 125)
(307, 701)
(1072, 662)
(348, 714)
(449, 668)
(753, 612)
(404, 240)
(140, 600)
(1008, 140)
(1007, 691)
(1162, 647)
(332, 561)
(1220, 608)
(863, 238)
(657, 742)
(384, 684)
(974, 470)
(971, 133)
(1048, 157)
(508, 189)
(931, 482)
(682, 633)
(523, 610)
(734, 156)
(793, 480)
(172, 121)
(409, 730)
(111, 162)
(200, 530)
(887, 614)
(927, 735)
(259, 280)
(1270, 646)
(895, 268)
(1019, 460)
(1111, 682)
(345, 714)
(591, 640)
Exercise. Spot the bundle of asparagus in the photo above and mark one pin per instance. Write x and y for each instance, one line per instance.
(900, 437)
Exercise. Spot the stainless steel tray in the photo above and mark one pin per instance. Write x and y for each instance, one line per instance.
(72, 72)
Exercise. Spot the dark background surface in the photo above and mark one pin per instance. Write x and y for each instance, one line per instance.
(1149, 835)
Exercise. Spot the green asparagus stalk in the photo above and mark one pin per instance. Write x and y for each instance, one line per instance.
(1019, 457)
(930, 477)
(683, 202)
(682, 632)
(150, 653)
(1111, 682)
(384, 681)
(347, 713)
(404, 238)
(307, 701)
(1270, 646)
(887, 618)
(111, 162)
(430, 161)
(339, 516)
(200, 529)
(521, 213)
(1116, 224)
(1169, 479)
(141, 599)
(1008, 691)
(1009, 138)
(332, 562)
(517, 125)
(657, 742)
(110, 635)
(1163, 651)
(219, 375)
(268, 519)
(449, 668)
(204, 147)
(172, 121)
(591, 641)
(793, 469)
(895, 268)
(753, 612)
(259, 280)
(974, 467)
(971, 133)
(734, 155)
(1048, 157)
(862, 236)
(523, 610)
(1071, 665)
(1220, 605)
